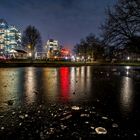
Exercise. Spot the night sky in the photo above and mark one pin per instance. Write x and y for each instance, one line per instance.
(65, 20)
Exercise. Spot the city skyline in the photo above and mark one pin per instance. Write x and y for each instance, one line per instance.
(66, 21)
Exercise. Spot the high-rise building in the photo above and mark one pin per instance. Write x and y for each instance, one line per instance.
(10, 37)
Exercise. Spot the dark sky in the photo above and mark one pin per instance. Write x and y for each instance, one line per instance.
(65, 20)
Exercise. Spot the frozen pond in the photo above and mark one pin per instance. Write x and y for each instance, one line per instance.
(111, 93)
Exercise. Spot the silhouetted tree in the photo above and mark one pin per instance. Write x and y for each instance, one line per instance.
(90, 46)
(31, 40)
(122, 25)
(95, 47)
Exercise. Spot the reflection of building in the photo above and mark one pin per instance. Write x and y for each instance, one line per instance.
(13, 79)
(10, 37)
(52, 48)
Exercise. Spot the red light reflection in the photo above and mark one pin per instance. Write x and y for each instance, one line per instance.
(64, 83)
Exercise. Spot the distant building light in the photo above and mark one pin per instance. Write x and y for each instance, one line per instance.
(72, 58)
(82, 57)
(88, 57)
(128, 58)
(77, 58)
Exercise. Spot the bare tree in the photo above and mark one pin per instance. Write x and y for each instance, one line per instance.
(90, 46)
(95, 47)
(122, 25)
(31, 40)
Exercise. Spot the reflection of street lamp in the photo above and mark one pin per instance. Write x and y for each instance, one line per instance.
(127, 68)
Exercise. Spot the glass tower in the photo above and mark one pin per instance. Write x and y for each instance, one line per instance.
(10, 37)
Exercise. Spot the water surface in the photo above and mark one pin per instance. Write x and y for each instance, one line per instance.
(114, 91)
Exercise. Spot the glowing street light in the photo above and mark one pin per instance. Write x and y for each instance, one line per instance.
(30, 54)
(29, 46)
(72, 58)
(128, 58)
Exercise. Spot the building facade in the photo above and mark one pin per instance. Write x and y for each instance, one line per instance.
(10, 37)
(52, 48)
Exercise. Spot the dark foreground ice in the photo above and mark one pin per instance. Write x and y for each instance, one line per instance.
(53, 121)
(69, 103)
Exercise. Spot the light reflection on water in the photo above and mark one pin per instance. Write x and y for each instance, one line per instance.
(64, 84)
(49, 82)
(30, 84)
(127, 95)
(9, 86)
(83, 85)
(73, 79)
(64, 80)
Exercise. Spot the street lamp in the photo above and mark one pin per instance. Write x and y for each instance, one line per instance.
(128, 58)
(30, 54)
(29, 46)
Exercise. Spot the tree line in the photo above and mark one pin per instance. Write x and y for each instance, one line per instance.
(120, 33)
(89, 48)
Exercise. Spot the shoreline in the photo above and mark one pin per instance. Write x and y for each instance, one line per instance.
(63, 64)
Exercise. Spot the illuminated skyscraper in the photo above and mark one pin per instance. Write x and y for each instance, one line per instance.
(10, 37)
